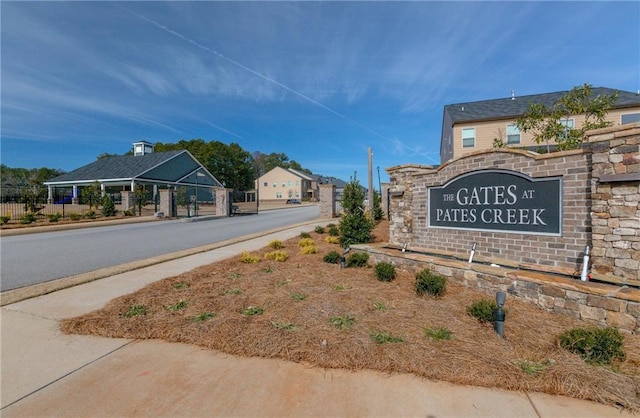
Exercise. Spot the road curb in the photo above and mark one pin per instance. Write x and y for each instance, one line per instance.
(17, 295)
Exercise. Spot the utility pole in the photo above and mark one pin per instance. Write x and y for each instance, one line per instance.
(370, 205)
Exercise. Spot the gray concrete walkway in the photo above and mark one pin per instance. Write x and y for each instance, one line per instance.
(47, 373)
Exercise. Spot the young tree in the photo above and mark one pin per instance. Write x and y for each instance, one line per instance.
(355, 225)
(92, 195)
(552, 124)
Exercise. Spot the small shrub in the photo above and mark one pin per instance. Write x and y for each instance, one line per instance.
(267, 270)
(357, 260)
(232, 291)
(276, 244)
(319, 229)
(108, 207)
(135, 310)
(129, 212)
(341, 287)
(435, 334)
(309, 249)
(180, 285)
(334, 231)
(383, 337)
(288, 326)
(178, 306)
(253, 310)
(385, 272)
(331, 225)
(380, 306)
(283, 283)
(332, 258)
(28, 218)
(482, 310)
(305, 242)
(534, 368)
(305, 235)
(91, 214)
(248, 258)
(4, 219)
(277, 256)
(205, 316)
(54, 217)
(332, 240)
(597, 346)
(297, 296)
(75, 216)
(430, 283)
(343, 322)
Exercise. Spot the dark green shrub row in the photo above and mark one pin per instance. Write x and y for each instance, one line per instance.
(385, 272)
(331, 257)
(430, 283)
(357, 260)
(598, 346)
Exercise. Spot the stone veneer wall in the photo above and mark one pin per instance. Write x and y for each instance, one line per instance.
(615, 189)
(409, 208)
(592, 302)
(327, 200)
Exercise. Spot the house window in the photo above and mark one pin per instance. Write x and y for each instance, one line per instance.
(266, 184)
(284, 184)
(289, 183)
(468, 137)
(297, 182)
(513, 134)
(278, 195)
(274, 184)
(568, 125)
(630, 118)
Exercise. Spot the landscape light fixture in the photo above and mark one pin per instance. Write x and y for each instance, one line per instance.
(585, 265)
(473, 251)
(343, 258)
(498, 314)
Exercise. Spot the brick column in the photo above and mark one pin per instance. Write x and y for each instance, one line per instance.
(327, 200)
(168, 205)
(222, 201)
(128, 200)
(615, 191)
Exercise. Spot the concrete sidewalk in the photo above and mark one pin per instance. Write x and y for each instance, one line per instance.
(47, 373)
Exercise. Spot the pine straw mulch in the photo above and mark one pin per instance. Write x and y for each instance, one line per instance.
(302, 330)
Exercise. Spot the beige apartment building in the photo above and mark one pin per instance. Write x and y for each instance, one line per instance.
(472, 126)
(285, 184)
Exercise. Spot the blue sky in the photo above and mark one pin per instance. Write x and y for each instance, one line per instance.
(319, 81)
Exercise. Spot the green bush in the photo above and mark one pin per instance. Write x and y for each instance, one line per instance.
(385, 272)
(482, 310)
(75, 216)
(54, 217)
(276, 244)
(4, 219)
(331, 257)
(357, 260)
(108, 207)
(90, 214)
(430, 283)
(319, 230)
(305, 235)
(334, 231)
(129, 212)
(597, 346)
(277, 255)
(28, 218)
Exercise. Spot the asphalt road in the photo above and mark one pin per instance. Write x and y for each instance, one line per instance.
(37, 258)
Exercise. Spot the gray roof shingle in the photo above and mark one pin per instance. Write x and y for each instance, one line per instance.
(118, 167)
(509, 108)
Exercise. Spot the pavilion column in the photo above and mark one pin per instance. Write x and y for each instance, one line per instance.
(49, 194)
(128, 200)
(75, 198)
(222, 201)
(168, 203)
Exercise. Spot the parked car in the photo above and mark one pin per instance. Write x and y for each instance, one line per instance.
(293, 201)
